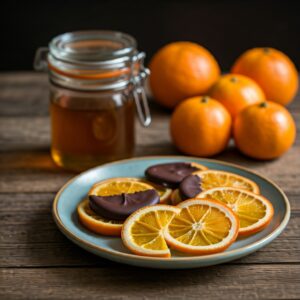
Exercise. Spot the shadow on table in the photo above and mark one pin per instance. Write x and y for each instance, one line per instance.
(233, 155)
(46, 246)
(38, 159)
(41, 159)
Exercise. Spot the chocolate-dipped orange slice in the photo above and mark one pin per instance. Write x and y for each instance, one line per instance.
(201, 181)
(171, 174)
(117, 198)
(96, 223)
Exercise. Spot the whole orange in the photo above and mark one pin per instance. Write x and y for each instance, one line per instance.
(272, 70)
(264, 131)
(236, 92)
(200, 126)
(180, 70)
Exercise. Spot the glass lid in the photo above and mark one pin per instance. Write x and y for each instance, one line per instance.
(93, 47)
(92, 60)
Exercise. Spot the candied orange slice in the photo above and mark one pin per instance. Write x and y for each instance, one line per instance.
(214, 178)
(202, 227)
(142, 232)
(96, 223)
(200, 181)
(254, 211)
(117, 186)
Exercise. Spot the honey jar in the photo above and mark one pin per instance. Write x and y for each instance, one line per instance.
(96, 85)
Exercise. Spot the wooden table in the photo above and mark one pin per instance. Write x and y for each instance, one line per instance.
(38, 262)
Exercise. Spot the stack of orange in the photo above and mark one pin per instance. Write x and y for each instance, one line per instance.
(248, 102)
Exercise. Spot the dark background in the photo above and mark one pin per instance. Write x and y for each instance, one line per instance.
(226, 28)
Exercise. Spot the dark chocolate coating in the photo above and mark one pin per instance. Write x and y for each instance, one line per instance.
(119, 207)
(190, 187)
(171, 174)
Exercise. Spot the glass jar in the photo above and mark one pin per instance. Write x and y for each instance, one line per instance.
(96, 81)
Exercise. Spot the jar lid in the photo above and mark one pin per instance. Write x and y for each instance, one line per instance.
(93, 48)
(93, 60)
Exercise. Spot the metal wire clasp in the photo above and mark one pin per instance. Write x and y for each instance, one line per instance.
(139, 93)
(40, 59)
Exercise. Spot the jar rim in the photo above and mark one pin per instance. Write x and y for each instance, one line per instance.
(93, 60)
(93, 48)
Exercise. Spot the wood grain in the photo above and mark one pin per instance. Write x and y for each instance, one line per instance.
(46, 177)
(122, 282)
(38, 262)
(26, 94)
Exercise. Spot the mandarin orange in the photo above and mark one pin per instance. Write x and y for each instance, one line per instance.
(236, 92)
(200, 126)
(272, 70)
(264, 131)
(181, 70)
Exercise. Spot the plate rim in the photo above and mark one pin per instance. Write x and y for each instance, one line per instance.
(245, 249)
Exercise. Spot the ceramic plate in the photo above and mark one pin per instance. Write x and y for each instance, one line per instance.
(67, 199)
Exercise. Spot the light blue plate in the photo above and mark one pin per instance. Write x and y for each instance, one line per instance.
(66, 201)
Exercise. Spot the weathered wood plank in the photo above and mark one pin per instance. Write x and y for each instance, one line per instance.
(61, 252)
(24, 133)
(29, 237)
(228, 282)
(33, 180)
(26, 94)
(34, 171)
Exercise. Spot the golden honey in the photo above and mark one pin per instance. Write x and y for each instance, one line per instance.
(82, 138)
